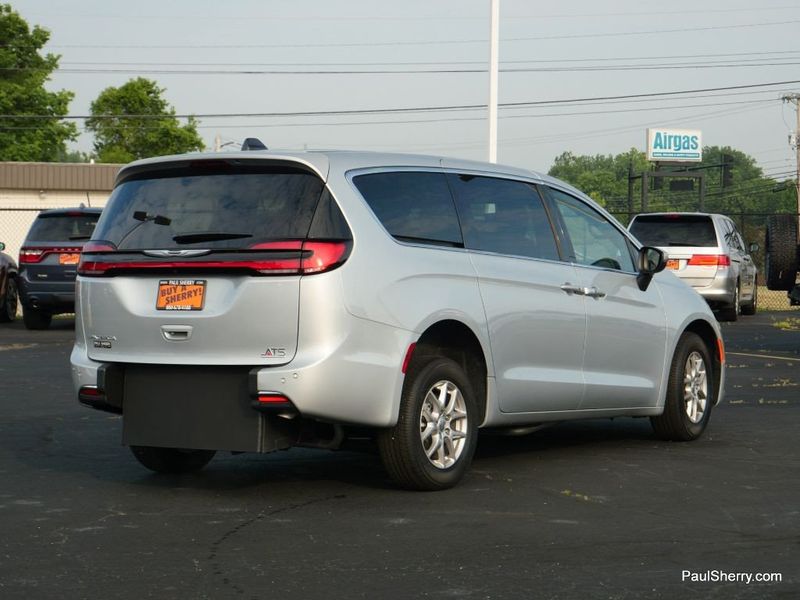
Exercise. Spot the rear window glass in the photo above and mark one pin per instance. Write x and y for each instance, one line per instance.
(62, 228)
(210, 210)
(675, 230)
(412, 206)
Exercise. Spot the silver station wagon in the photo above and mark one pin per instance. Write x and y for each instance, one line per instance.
(255, 301)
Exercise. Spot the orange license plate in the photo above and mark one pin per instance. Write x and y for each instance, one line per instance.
(673, 264)
(181, 294)
(69, 259)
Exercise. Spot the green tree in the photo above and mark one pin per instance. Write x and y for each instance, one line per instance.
(133, 121)
(605, 179)
(23, 74)
(603, 176)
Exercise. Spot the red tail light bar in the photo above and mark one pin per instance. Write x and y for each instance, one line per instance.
(304, 258)
(710, 260)
(35, 254)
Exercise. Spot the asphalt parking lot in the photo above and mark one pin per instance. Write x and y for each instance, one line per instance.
(596, 509)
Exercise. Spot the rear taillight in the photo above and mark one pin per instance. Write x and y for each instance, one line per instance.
(323, 256)
(710, 260)
(30, 255)
(293, 257)
(35, 254)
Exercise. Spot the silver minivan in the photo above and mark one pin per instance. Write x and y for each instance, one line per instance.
(255, 301)
(707, 252)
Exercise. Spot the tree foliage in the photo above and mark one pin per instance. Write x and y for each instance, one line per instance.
(23, 74)
(134, 121)
(605, 178)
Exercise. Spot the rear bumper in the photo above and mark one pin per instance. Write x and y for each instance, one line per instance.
(721, 291)
(54, 297)
(356, 381)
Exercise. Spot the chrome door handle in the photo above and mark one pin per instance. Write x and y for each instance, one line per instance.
(592, 292)
(573, 289)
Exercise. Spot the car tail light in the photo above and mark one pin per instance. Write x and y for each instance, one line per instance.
(710, 260)
(292, 257)
(274, 403)
(34, 254)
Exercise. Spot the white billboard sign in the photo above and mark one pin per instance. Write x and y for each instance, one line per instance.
(674, 145)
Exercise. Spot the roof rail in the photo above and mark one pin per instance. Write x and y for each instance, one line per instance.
(253, 144)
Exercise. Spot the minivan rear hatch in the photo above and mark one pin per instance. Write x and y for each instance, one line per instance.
(199, 262)
(690, 242)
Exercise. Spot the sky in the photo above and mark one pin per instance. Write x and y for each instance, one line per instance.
(261, 59)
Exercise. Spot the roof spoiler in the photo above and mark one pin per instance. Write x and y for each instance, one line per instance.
(253, 144)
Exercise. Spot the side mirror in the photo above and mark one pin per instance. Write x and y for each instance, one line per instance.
(649, 262)
(753, 247)
(2, 246)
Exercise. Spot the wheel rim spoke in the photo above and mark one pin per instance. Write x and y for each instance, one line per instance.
(695, 387)
(443, 424)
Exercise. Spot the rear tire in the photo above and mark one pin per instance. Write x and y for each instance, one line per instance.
(36, 319)
(751, 307)
(8, 307)
(690, 392)
(432, 445)
(172, 460)
(781, 252)
(731, 313)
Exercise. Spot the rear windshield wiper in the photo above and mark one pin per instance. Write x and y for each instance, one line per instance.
(74, 238)
(208, 236)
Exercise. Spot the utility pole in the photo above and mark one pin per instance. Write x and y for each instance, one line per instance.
(795, 99)
(493, 70)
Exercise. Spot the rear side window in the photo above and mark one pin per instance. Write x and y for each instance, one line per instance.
(412, 206)
(62, 227)
(218, 210)
(674, 230)
(503, 216)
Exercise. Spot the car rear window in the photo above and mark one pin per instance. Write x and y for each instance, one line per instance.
(675, 230)
(62, 227)
(219, 209)
(412, 206)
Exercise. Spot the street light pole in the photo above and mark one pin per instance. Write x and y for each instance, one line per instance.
(493, 71)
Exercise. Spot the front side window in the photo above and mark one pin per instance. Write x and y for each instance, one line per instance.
(503, 216)
(413, 206)
(595, 241)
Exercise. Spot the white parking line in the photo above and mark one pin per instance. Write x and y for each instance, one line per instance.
(767, 356)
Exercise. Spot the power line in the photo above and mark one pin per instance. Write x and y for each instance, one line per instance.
(452, 71)
(416, 109)
(435, 63)
(430, 42)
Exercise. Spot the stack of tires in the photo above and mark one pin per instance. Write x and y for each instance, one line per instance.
(782, 255)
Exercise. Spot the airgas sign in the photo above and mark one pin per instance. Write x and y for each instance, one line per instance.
(674, 145)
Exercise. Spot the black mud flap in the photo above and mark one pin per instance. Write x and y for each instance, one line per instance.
(197, 407)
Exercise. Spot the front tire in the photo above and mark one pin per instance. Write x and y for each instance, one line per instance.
(432, 445)
(8, 307)
(172, 460)
(690, 392)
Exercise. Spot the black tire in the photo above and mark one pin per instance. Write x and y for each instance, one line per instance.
(36, 319)
(676, 423)
(8, 307)
(402, 447)
(731, 313)
(751, 307)
(172, 460)
(781, 252)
